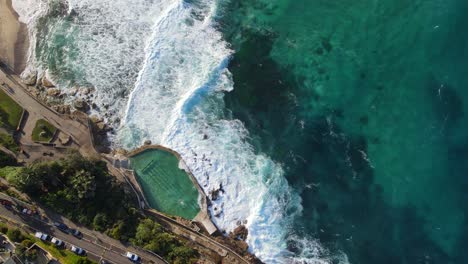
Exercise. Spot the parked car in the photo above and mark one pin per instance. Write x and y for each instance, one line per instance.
(6, 202)
(77, 250)
(57, 242)
(76, 233)
(61, 226)
(27, 211)
(42, 236)
(133, 257)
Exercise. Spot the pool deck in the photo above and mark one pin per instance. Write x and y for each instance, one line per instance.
(203, 217)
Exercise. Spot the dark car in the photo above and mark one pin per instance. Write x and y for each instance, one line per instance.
(61, 226)
(6, 202)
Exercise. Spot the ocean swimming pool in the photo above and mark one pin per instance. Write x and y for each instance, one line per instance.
(166, 187)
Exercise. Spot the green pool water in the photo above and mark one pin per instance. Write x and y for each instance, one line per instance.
(167, 188)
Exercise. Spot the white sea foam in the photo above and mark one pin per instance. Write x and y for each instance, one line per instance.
(177, 102)
(174, 62)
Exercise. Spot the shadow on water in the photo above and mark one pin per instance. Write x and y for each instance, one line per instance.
(343, 206)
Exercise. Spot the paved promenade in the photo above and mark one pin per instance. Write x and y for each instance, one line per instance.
(77, 127)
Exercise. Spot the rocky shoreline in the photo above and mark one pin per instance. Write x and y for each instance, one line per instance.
(67, 102)
(44, 89)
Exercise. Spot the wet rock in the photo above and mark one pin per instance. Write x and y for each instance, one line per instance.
(30, 79)
(147, 142)
(53, 92)
(240, 233)
(214, 195)
(84, 91)
(62, 109)
(72, 91)
(102, 126)
(96, 119)
(47, 83)
(81, 105)
(217, 211)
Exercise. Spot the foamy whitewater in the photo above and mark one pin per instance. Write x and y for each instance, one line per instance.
(167, 63)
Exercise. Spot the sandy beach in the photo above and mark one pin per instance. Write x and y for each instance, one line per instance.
(14, 38)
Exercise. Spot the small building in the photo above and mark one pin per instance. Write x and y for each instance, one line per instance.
(42, 255)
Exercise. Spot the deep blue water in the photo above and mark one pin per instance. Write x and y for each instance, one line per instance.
(364, 104)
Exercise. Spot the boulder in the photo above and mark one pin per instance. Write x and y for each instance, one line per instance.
(53, 92)
(214, 194)
(96, 119)
(47, 83)
(30, 79)
(72, 91)
(84, 91)
(63, 109)
(147, 142)
(81, 105)
(240, 233)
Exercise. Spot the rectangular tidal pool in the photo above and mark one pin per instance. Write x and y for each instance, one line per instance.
(166, 187)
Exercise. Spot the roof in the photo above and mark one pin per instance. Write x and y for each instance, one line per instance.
(13, 260)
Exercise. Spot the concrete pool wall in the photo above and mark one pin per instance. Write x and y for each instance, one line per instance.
(203, 216)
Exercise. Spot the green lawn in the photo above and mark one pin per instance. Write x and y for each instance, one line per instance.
(10, 112)
(62, 255)
(43, 126)
(8, 142)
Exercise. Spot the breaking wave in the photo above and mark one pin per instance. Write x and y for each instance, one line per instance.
(161, 67)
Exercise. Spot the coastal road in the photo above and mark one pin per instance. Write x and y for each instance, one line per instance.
(97, 247)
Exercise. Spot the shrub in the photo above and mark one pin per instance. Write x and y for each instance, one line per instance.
(3, 228)
(15, 235)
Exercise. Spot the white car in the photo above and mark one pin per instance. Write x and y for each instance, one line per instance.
(42, 236)
(57, 242)
(133, 257)
(77, 250)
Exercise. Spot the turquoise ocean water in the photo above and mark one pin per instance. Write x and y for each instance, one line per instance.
(364, 104)
(336, 129)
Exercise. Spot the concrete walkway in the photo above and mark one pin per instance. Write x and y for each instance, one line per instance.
(76, 126)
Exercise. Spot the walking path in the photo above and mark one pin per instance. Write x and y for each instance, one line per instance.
(75, 126)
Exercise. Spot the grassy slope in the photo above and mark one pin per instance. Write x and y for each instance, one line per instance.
(49, 129)
(62, 255)
(10, 112)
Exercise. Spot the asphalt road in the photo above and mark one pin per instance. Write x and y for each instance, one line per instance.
(95, 248)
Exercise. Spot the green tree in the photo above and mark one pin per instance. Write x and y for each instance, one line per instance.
(183, 255)
(83, 261)
(6, 160)
(27, 180)
(100, 222)
(15, 235)
(84, 184)
(146, 231)
(3, 228)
